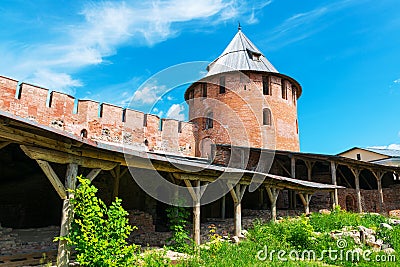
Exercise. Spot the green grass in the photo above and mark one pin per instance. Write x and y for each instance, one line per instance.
(297, 234)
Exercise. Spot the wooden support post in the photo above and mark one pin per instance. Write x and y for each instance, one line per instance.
(53, 178)
(273, 196)
(332, 194)
(293, 167)
(196, 194)
(223, 208)
(309, 165)
(356, 173)
(306, 198)
(378, 175)
(292, 193)
(116, 173)
(237, 193)
(67, 215)
(334, 182)
(93, 174)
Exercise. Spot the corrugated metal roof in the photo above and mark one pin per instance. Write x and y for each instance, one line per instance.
(384, 151)
(240, 55)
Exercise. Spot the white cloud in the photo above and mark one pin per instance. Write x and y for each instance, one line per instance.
(391, 146)
(148, 94)
(302, 25)
(102, 28)
(176, 111)
(56, 81)
(397, 81)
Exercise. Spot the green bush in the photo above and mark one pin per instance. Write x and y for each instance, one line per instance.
(178, 220)
(98, 233)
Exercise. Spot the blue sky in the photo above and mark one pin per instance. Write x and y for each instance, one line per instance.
(345, 54)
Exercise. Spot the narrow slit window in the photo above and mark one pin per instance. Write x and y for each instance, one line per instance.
(179, 127)
(204, 89)
(266, 116)
(284, 89)
(145, 120)
(160, 126)
(124, 115)
(294, 93)
(222, 88)
(265, 83)
(209, 121)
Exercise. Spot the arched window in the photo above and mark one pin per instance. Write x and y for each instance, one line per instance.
(84, 133)
(267, 116)
(209, 121)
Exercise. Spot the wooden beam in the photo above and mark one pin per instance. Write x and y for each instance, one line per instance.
(334, 182)
(116, 173)
(93, 174)
(293, 167)
(309, 164)
(273, 196)
(366, 181)
(4, 144)
(356, 173)
(305, 199)
(23, 137)
(65, 158)
(283, 166)
(223, 208)
(379, 175)
(344, 177)
(237, 193)
(67, 215)
(53, 178)
(196, 196)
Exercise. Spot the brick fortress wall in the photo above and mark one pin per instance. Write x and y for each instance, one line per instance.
(97, 121)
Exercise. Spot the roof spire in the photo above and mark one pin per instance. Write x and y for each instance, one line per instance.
(239, 26)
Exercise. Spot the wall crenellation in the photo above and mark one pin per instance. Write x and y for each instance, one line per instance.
(97, 121)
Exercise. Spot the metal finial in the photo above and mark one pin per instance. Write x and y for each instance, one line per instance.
(239, 27)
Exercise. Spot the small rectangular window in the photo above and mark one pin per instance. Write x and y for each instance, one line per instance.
(124, 115)
(358, 156)
(209, 121)
(222, 85)
(145, 120)
(294, 94)
(284, 89)
(101, 110)
(265, 83)
(160, 126)
(179, 127)
(204, 89)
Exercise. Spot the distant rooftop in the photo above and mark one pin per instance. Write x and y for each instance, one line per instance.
(384, 151)
(240, 55)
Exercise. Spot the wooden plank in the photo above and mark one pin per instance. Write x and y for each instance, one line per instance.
(309, 165)
(26, 259)
(53, 178)
(344, 177)
(24, 137)
(65, 158)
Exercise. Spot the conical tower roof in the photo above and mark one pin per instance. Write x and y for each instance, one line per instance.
(240, 55)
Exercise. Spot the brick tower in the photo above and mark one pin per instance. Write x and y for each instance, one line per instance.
(244, 101)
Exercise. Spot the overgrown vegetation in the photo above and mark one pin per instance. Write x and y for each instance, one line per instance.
(180, 240)
(300, 234)
(98, 233)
